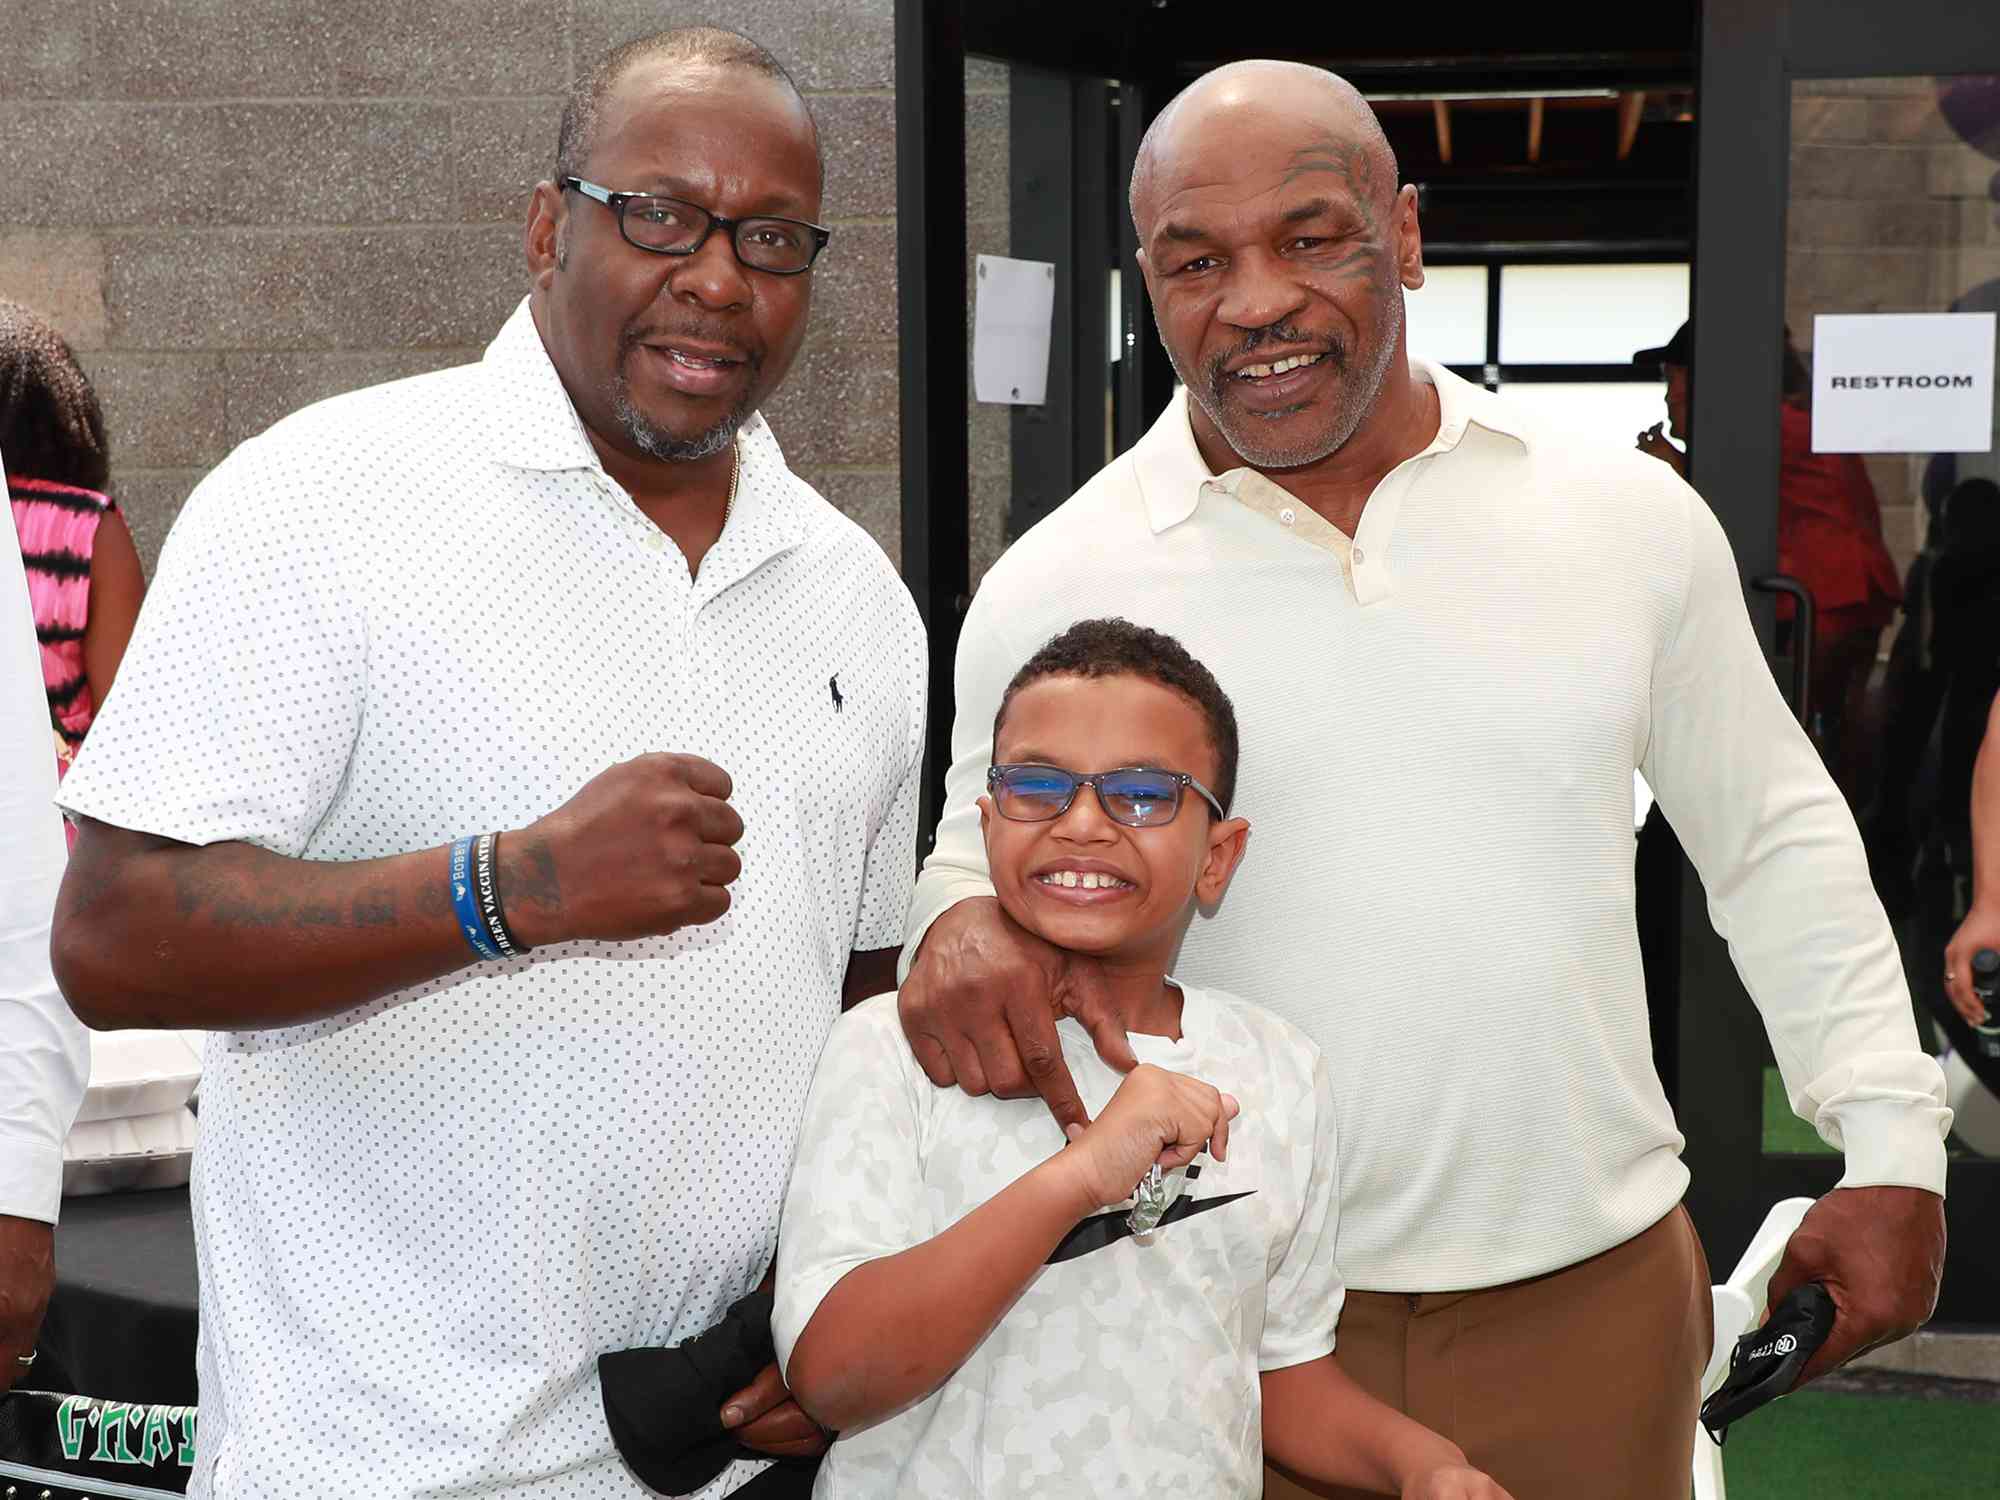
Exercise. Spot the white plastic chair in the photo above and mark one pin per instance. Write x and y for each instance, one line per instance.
(1739, 1307)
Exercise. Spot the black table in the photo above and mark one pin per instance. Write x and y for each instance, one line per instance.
(121, 1324)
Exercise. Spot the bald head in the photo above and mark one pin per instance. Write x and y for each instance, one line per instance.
(1276, 247)
(1334, 127)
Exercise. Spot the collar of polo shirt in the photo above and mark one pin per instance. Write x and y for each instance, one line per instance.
(1170, 470)
(532, 424)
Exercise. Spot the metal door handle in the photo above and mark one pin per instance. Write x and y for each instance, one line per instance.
(1802, 638)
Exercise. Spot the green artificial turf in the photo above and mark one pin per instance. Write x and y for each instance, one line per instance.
(1828, 1446)
(1784, 1132)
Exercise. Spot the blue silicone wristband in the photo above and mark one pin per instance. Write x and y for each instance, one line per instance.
(465, 901)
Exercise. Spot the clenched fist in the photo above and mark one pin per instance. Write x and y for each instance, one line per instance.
(642, 850)
(1156, 1116)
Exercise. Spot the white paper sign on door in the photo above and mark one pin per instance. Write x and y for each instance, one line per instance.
(1013, 314)
(1902, 382)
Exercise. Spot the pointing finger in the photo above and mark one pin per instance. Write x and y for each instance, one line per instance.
(1033, 1031)
(1084, 995)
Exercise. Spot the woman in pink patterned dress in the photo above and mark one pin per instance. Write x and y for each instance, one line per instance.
(84, 582)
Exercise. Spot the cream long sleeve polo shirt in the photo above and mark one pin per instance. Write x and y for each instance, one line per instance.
(1439, 724)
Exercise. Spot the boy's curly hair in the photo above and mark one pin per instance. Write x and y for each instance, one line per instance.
(1114, 647)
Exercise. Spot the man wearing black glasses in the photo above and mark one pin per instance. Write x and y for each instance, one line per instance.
(663, 383)
(510, 1048)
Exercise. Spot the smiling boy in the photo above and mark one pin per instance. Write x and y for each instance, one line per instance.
(968, 1301)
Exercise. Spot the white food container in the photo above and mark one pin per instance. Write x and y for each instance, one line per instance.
(135, 1129)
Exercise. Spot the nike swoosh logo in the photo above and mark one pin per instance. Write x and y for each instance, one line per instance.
(1100, 1230)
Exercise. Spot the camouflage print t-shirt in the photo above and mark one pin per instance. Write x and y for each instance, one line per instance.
(1129, 1364)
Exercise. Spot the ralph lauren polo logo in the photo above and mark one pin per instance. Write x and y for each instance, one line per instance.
(833, 687)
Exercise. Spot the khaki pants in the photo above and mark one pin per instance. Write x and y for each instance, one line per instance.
(1581, 1383)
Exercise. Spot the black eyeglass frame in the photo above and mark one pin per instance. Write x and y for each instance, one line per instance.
(616, 201)
(1079, 781)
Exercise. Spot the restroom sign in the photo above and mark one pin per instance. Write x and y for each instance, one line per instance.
(1903, 383)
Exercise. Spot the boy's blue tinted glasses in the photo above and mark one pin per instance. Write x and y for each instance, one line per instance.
(1137, 796)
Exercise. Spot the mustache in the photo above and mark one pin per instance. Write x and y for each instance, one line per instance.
(693, 332)
(1215, 371)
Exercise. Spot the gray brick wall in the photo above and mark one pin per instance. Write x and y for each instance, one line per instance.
(236, 207)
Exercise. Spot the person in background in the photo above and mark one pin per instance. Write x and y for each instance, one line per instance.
(1945, 665)
(84, 580)
(1944, 669)
(44, 1050)
(1658, 441)
(1829, 538)
(1981, 927)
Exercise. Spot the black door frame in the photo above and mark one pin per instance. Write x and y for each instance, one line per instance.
(1750, 56)
(1059, 152)
(933, 444)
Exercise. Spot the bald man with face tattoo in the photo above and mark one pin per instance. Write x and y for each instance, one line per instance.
(1452, 634)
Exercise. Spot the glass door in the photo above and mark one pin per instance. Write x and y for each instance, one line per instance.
(1887, 493)
(1844, 429)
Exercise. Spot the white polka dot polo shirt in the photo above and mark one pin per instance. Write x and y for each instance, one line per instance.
(421, 611)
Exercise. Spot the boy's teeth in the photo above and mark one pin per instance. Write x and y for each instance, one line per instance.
(693, 362)
(1089, 880)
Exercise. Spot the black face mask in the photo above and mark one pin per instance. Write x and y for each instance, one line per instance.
(664, 1406)
(1768, 1361)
